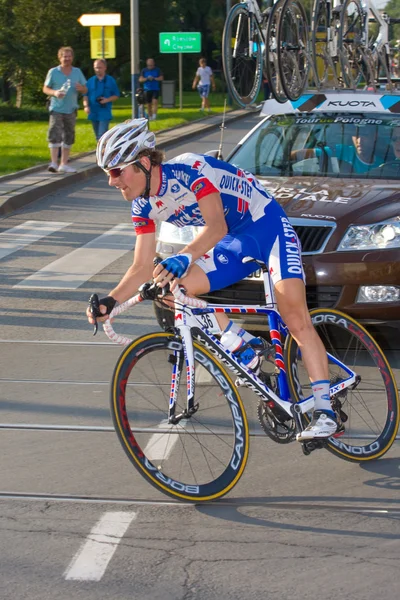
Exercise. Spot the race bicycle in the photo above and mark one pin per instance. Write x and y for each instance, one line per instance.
(179, 415)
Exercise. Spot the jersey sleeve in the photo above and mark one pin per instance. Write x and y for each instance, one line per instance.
(143, 225)
(202, 180)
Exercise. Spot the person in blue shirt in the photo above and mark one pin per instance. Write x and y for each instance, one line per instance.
(102, 91)
(361, 155)
(151, 77)
(63, 84)
(358, 157)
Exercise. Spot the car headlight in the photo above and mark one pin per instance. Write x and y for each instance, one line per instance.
(171, 234)
(379, 236)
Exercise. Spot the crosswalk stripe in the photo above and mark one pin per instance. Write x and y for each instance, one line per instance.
(91, 560)
(75, 268)
(160, 445)
(29, 232)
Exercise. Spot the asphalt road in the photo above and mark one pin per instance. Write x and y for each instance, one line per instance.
(78, 522)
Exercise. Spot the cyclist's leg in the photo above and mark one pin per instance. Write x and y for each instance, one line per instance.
(220, 267)
(288, 278)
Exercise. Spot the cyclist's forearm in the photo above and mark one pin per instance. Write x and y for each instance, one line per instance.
(131, 281)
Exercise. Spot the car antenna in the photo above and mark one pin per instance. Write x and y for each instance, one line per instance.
(222, 127)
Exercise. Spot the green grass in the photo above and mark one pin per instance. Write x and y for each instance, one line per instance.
(24, 144)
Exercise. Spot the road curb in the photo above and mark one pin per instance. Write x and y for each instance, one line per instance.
(18, 199)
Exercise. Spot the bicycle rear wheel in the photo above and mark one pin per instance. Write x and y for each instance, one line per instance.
(202, 457)
(350, 42)
(242, 55)
(271, 55)
(371, 406)
(293, 59)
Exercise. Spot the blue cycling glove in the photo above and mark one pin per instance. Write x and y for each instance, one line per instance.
(178, 264)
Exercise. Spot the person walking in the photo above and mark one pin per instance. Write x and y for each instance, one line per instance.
(203, 80)
(102, 92)
(151, 77)
(63, 84)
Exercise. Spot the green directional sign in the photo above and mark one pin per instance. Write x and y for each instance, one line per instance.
(180, 41)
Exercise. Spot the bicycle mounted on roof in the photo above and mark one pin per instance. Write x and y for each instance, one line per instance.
(275, 44)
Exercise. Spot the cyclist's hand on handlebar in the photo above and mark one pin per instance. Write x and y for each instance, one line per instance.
(173, 267)
(99, 309)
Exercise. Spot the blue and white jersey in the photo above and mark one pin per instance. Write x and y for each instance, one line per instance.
(187, 179)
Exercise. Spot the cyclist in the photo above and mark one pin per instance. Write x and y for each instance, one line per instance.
(237, 217)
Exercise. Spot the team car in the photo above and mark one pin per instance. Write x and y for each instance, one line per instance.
(332, 160)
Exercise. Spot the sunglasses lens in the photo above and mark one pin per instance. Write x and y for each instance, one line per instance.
(115, 172)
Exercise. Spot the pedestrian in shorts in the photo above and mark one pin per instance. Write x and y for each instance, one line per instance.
(203, 80)
(151, 77)
(62, 85)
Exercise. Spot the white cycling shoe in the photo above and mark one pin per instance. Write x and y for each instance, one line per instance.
(322, 426)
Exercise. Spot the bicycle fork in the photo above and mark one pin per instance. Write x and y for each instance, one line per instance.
(182, 361)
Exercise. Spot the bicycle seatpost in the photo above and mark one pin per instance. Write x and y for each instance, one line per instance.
(248, 259)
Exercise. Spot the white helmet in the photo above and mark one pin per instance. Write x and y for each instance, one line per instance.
(122, 144)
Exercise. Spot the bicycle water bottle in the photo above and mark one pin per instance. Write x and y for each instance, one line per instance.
(233, 342)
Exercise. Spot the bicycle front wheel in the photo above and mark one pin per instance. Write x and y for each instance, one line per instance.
(203, 456)
(370, 408)
(293, 59)
(242, 55)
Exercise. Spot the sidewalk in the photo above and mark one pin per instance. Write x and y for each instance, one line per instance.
(19, 189)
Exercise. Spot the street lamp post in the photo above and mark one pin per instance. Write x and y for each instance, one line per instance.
(135, 57)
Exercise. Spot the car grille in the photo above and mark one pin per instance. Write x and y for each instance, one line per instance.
(322, 296)
(312, 239)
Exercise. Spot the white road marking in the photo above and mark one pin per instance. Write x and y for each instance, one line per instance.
(91, 560)
(29, 232)
(74, 269)
(160, 445)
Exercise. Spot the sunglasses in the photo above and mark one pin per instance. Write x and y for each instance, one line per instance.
(117, 171)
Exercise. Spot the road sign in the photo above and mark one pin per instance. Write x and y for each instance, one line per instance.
(100, 20)
(102, 42)
(180, 41)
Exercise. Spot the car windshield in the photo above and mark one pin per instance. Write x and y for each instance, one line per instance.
(324, 144)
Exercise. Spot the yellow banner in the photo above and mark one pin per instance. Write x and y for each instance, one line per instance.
(102, 42)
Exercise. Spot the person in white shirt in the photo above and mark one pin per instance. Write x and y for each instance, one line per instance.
(203, 80)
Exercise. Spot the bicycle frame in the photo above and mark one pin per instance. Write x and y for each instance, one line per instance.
(200, 323)
(253, 9)
(195, 318)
